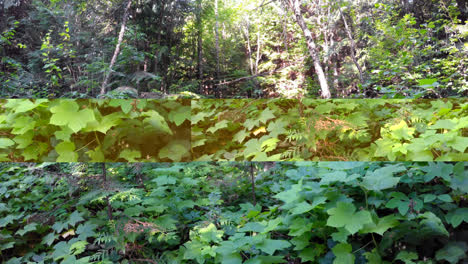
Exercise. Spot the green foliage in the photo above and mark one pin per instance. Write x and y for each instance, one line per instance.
(94, 130)
(185, 213)
(283, 129)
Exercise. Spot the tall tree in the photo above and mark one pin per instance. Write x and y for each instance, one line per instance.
(217, 43)
(200, 45)
(295, 6)
(117, 47)
(353, 44)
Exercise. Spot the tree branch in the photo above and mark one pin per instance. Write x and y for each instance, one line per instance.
(251, 77)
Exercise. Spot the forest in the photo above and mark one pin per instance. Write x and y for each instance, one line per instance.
(233, 48)
(234, 212)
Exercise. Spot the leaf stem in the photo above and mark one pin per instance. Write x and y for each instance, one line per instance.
(85, 146)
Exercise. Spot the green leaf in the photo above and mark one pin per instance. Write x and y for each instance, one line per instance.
(86, 230)
(382, 178)
(6, 142)
(455, 218)
(130, 155)
(59, 226)
(67, 114)
(433, 222)
(157, 121)
(302, 241)
(64, 134)
(233, 258)
(106, 123)
(400, 201)
(180, 115)
(49, 239)
(251, 123)
(96, 155)
(445, 198)
(339, 176)
(382, 225)
(252, 227)
(252, 147)
(341, 235)
(78, 247)
(25, 105)
(459, 179)
(218, 126)
(443, 124)
(459, 143)
(300, 226)
(75, 217)
(301, 208)
(24, 140)
(453, 252)
(61, 250)
(325, 108)
(269, 144)
(210, 234)
(343, 254)
(66, 151)
(269, 246)
(125, 105)
(240, 136)
(176, 150)
(407, 257)
(291, 195)
(437, 169)
(427, 82)
(277, 127)
(165, 180)
(311, 253)
(402, 131)
(22, 125)
(266, 115)
(26, 229)
(345, 215)
(373, 257)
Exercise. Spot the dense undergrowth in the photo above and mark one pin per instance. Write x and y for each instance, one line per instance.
(305, 212)
(356, 130)
(95, 130)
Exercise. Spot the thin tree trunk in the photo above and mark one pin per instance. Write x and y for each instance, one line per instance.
(353, 45)
(117, 47)
(104, 178)
(336, 81)
(259, 47)
(295, 5)
(249, 48)
(200, 45)
(252, 178)
(217, 45)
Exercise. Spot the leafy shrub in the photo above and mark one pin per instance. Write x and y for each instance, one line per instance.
(326, 212)
(94, 130)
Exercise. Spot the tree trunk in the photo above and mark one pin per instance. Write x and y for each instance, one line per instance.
(217, 46)
(295, 5)
(259, 47)
(353, 45)
(249, 48)
(200, 45)
(117, 47)
(252, 179)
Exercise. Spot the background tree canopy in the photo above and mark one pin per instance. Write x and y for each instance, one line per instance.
(234, 48)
